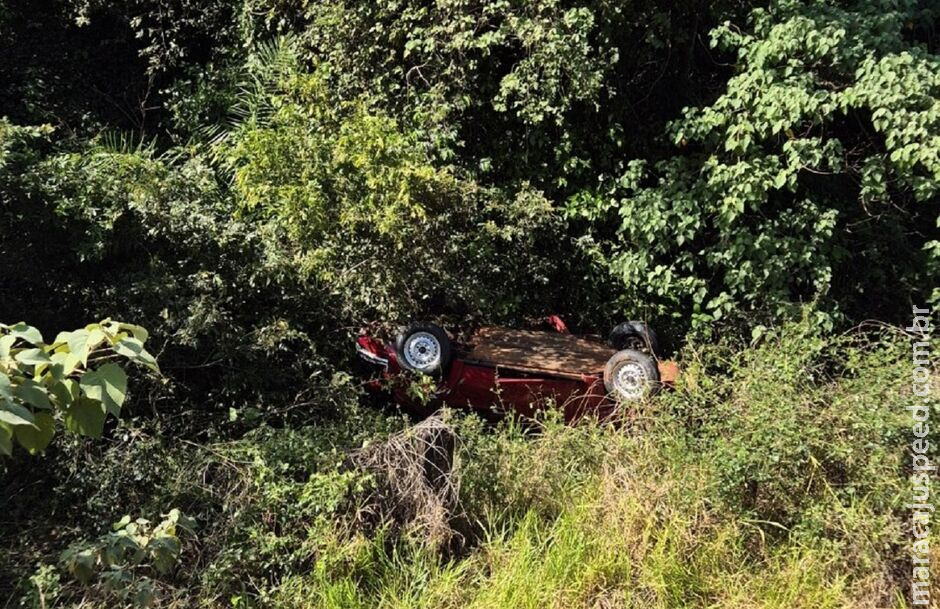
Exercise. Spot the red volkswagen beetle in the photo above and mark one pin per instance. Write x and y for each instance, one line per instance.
(503, 369)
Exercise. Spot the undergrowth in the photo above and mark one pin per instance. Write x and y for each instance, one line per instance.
(774, 476)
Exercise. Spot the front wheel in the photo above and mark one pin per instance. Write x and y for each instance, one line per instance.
(631, 375)
(424, 348)
(634, 335)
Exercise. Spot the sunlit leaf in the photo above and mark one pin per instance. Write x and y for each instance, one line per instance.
(134, 350)
(107, 384)
(6, 343)
(33, 357)
(13, 414)
(27, 333)
(78, 345)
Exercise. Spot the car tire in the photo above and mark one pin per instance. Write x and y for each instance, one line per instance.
(630, 375)
(423, 347)
(634, 335)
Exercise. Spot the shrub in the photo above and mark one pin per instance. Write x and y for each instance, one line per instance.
(118, 563)
(69, 379)
(366, 212)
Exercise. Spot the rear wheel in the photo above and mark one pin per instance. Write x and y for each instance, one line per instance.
(631, 375)
(424, 348)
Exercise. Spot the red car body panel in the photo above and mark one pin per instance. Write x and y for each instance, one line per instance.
(493, 387)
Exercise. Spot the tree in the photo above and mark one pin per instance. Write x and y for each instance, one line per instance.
(815, 174)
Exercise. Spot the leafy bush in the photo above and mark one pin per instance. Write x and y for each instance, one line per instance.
(698, 500)
(70, 378)
(809, 176)
(254, 182)
(137, 235)
(366, 213)
(801, 420)
(116, 563)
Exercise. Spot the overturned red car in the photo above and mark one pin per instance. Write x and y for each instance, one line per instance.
(498, 369)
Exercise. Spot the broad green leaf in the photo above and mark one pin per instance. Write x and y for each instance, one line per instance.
(108, 385)
(124, 547)
(33, 357)
(6, 387)
(36, 439)
(66, 392)
(27, 333)
(95, 338)
(85, 417)
(185, 522)
(78, 345)
(136, 331)
(133, 349)
(33, 394)
(164, 551)
(64, 363)
(14, 414)
(143, 594)
(6, 343)
(80, 562)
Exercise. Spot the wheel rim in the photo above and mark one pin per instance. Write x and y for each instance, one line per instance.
(422, 351)
(631, 381)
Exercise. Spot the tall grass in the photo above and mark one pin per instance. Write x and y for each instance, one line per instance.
(632, 537)
(774, 477)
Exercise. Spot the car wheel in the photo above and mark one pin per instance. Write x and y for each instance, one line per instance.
(634, 335)
(424, 348)
(631, 375)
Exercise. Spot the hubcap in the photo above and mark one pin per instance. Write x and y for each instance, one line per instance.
(422, 351)
(630, 381)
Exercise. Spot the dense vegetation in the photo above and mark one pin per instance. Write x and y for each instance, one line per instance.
(255, 181)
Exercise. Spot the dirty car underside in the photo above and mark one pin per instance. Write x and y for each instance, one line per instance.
(503, 369)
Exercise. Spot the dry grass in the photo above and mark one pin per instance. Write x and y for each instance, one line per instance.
(418, 487)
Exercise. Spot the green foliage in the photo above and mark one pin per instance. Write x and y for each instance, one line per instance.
(826, 397)
(273, 502)
(254, 182)
(366, 213)
(118, 562)
(45, 586)
(550, 92)
(777, 194)
(70, 379)
(699, 501)
(364, 132)
(133, 234)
